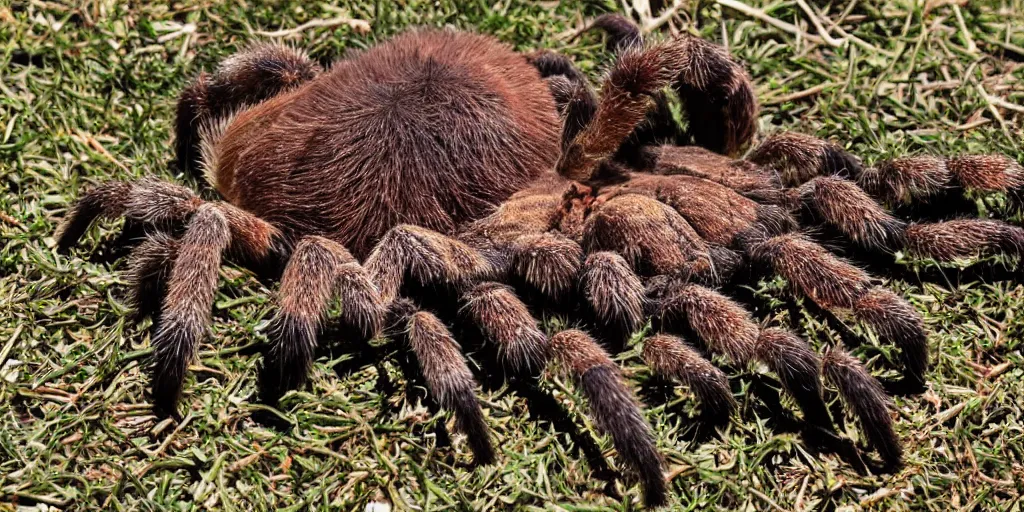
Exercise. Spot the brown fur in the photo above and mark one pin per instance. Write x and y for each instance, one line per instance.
(148, 201)
(185, 317)
(815, 272)
(625, 100)
(319, 271)
(548, 261)
(897, 322)
(360, 128)
(449, 380)
(652, 237)
(987, 173)
(428, 256)
(797, 157)
(715, 211)
(835, 284)
(965, 238)
(908, 179)
(738, 175)
(614, 292)
(843, 205)
(149, 268)
(613, 407)
(506, 322)
(718, 96)
(799, 370)
(671, 357)
(255, 74)
(724, 326)
(868, 400)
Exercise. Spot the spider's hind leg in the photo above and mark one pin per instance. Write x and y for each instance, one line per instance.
(255, 74)
(840, 192)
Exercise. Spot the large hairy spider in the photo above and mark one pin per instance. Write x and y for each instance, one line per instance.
(433, 161)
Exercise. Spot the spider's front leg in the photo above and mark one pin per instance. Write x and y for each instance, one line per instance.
(513, 239)
(650, 237)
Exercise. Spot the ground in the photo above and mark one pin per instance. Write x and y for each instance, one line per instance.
(88, 95)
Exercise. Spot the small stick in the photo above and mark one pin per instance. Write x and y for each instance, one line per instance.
(831, 41)
(798, 95)
(971, 47)
(360, 26)
(777, 23)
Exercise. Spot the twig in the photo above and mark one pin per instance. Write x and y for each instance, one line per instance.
(972, 125)
(7, 219)
(996, 100)
(797, 95)
(831, 41)
(992, 108)
(652, 24)
(91, 141)
(763, 16)
(360, 26)
(860, 42)
(767, 500)
(971, 47)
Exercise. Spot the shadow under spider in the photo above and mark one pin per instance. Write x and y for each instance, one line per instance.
(338, 340)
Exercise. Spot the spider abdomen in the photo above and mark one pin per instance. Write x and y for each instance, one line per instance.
(431, 128)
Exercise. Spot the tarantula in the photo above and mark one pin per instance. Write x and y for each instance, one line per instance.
(444, 160)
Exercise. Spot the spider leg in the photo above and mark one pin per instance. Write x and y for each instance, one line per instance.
(724, 326)
(149, 268)
(167, 206)
(191, 263)
(318, 271)
(728, 329)
(251, 76)
(425, 255)
(739, 175)
(716, 91)
(655, 240)
(920, 178)
(446, 374)
(870, 404)
(613, 407)
(798, 158)
(549, 262)
(721, 108)
(625, 100)
(148, 201)
(671, 357)
(621, 33)
(505, 321)
(843, 205)
(614, 292)
(835, 284)
(185, 315)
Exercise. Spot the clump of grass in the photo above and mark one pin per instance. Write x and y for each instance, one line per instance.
(88, 95)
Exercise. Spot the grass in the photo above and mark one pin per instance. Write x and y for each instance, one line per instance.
(88, 95)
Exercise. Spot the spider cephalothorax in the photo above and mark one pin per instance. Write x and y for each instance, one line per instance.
(434, 161)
